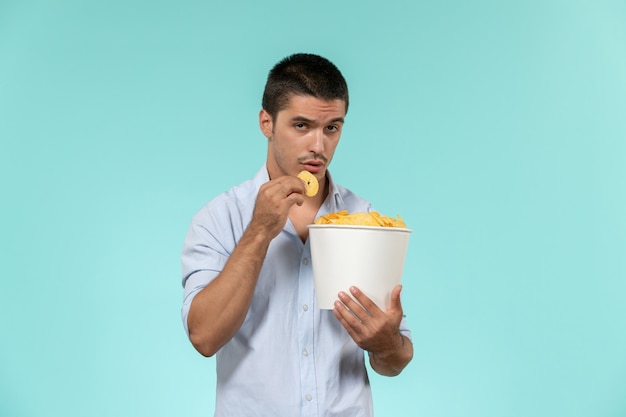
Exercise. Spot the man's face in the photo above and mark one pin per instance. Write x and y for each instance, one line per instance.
(303, 136)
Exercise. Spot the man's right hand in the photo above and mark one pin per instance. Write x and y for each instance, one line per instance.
(275, 199)
(217, 312)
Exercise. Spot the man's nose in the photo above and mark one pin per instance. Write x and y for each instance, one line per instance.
(317, 143)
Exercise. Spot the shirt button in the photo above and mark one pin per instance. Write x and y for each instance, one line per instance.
(305, 307)
(308, 397)
(305, 261)
(305, 352)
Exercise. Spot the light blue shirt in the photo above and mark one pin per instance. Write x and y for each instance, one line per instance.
(288, 358)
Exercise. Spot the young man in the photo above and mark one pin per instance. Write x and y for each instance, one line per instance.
(249, 295)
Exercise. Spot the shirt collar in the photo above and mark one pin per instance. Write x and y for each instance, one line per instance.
(261, 177)
(334, 201)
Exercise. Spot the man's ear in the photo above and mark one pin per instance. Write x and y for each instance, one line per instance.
(266, 123)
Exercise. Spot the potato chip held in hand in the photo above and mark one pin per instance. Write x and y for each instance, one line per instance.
(372, 218)
(310, 183)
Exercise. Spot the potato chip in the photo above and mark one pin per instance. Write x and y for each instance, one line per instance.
(372, 218)
(310, 183)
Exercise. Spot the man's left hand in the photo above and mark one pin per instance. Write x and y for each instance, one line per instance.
(371, 328)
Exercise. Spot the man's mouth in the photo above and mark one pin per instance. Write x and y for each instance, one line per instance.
(313, 162)
(313, 165)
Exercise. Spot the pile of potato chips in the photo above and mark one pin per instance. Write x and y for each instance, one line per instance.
(361, 219)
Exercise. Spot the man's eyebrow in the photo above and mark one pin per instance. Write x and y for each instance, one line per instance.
(307, 120)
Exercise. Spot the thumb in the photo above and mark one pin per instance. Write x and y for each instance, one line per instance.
(396, 304)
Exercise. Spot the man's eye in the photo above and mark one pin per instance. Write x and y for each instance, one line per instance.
(300, 125)
(332, 128)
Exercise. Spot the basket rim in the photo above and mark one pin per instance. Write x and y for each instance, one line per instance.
(354, 226)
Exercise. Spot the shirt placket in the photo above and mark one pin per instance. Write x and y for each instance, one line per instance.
(308, 381)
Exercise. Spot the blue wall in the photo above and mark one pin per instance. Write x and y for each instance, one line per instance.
(496, 129)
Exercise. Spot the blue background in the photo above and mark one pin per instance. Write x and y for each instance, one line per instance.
(496, 129)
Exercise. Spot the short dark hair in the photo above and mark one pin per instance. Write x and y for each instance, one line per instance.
(305, 75)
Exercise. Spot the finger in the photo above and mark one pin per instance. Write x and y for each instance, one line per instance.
(350, 310)
(347, 319)
(295, 198)
(344, 315)
(367, 304)
(290, 185)
(296, 194)
(396, 303)
(284, 189)
(359, 312)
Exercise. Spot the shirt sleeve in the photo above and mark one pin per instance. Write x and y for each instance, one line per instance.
(203, 258)
(404, 330)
